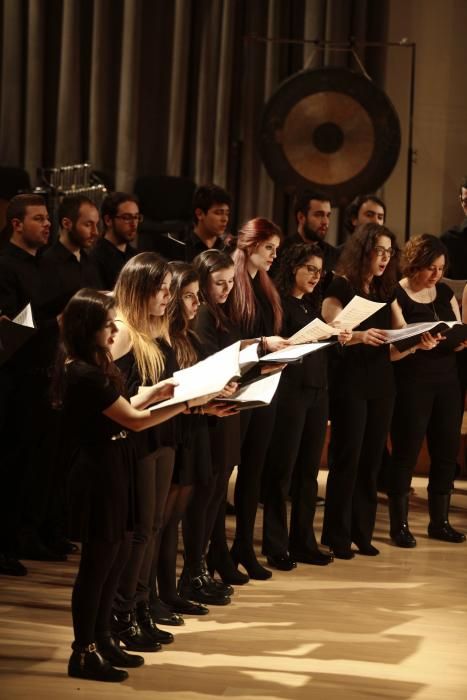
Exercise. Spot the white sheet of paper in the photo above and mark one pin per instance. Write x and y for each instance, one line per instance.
(315, 330)
(262, 390)
(357, 311)
(414, 329)
(24, 318)
(248, 357)
(293, 353)
(206, 377)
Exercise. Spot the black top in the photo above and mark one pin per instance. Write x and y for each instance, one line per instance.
(101, 468)
(362, 369)
(194, 246)
(213, 338)
(438, 364)
(110, 260)
(71, 274)
(312, 370)
(24, 279)
(455, 240)
(263, 323)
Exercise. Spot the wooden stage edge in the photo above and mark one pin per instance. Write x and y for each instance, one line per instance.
(393, 627)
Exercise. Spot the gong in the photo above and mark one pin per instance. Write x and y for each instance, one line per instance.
(330, 129)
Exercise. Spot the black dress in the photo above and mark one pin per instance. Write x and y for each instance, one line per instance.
(294, 454)
(362, 397)
(427, 403)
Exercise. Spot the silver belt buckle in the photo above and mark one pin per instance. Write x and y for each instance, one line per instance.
(122, 435)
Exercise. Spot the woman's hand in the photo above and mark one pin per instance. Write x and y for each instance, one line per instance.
(373, 336)
(428, 341)
(160, 391)
(200, 400)
(275, 342)
(220, 409)
(228, 390)
(344, 337)
(461, 346)
(272, 367)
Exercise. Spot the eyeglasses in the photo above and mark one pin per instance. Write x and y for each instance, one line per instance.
(128, 218)
(312, 270)
(380, 251)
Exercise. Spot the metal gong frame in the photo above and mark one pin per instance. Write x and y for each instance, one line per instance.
(286, 114)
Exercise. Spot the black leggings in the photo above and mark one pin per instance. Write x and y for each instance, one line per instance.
(96, 583)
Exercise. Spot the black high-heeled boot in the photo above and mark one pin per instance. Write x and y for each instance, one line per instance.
(399, 527)
(125, 627)
(439, 527)
(149, 627)
(194, 584)
(86, 662)
(244, 555)
(221, 561)
(110, 649)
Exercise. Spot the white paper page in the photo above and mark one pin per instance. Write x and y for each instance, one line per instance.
(315, 330)
(457, 286)
(206, 377)
(262, 390)
(248, 357)
(414, 329)
(24, 318)
(293, 353)
(357, 311)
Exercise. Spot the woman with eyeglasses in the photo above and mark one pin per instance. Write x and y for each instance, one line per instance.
(428, 394)
(254, 307)
(294, 454)
(361, 390)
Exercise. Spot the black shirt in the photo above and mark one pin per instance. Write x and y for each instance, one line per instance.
(72, 274)
(109, 260)
(362, 369)
(194, 246)
(312, 371)
(455, 240)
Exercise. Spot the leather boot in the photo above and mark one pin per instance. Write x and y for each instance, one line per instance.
(222, 562)
(149, 627)
(217, 586)
(439, 527)
(399, 527)
(194, 584)
(87, 662)
(125, 627)
(110, 649)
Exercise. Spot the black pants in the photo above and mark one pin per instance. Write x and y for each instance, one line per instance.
(431, 409)
(96, 583)
(153, 476)
(359, 431)
(292, 465)
(256, 428)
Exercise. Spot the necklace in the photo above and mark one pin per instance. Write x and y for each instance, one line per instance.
(435, 313)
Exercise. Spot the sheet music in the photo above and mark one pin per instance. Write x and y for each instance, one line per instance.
(261, 392)
(293, 353)
(206, 377)
(414, 329)
(315, 330)
(248, 357)
(24, 318)
(357, 311)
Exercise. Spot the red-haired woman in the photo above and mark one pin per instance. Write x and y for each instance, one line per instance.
(254, 306)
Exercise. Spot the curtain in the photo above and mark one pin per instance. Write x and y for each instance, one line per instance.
(140, 87)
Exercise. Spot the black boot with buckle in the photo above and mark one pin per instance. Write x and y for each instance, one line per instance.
(149, 627)
(194, 584)
(439, 527)
(125, 627)
(87, 662)
(110, 649)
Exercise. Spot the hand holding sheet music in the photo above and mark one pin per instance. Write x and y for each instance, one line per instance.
(14, 334)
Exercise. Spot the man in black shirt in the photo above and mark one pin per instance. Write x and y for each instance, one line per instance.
(121, 218)
(455, 240)
(211, 212)
(78, 219)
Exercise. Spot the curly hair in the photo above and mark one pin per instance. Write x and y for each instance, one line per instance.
(241, 302)
(355, 261)
(421, 252)
(291, 259)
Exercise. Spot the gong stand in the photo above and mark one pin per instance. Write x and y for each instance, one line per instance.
(332, 129)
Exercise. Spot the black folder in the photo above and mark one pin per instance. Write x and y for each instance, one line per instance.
(12, 337)
(454, 336)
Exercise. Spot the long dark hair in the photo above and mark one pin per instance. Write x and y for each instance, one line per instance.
(291, 259)
(242, 307)
(205, 264)
(180, 332)
(355, 261)
(84, 316)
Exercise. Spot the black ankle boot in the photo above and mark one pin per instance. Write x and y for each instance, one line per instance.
(110, 649)
(399, 527)
(217, 586)
(149, 627)
(223, 564)
(246, 556)
(194, 584)
(439, 527)
(125, 627)
(87, 662)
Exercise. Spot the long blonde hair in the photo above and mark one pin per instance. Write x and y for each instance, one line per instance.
(138, 281)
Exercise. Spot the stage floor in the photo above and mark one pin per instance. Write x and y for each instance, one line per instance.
(394, 626)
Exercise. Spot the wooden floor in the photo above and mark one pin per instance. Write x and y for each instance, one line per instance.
(390, 627)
